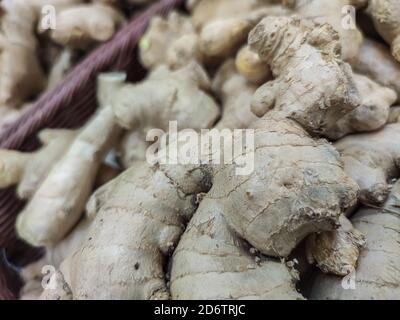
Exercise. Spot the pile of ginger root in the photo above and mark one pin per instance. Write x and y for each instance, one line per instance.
(320, 207)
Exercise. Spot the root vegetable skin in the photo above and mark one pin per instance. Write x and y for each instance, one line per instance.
(385, 14)
(394, 114)
(170, 41)
(59, 202)
(331, 12)
(236, 94)
(132, 148)
(211, 262)
(212, 10)
(285, 162)
(377, 275)
(155, 204)
(372, 159)
(249, 64)
(223, 37)
(283, 131)
(335, 92)
(167, 96)
(372, 114)
(28, 170)
(337, 251)
(83, 26)
(22, 76)
(374, 60)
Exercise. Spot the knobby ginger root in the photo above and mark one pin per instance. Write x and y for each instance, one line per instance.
(58, 203)
(385, 14)
(211, 262)
(275, 225)
(377, 275)
(372, 159)
(21, 74)
(336, 251)
(372, 114)
(28, 170)
(138, 219)
(34, 273)
(83, 26)
(171, 41)
(374, 60)
(167, 96)
(318, 91)
(331, 11)
(249, 64)
(236, 94)
(211, 10)
(220, 38)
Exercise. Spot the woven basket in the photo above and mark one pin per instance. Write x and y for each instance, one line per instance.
(68, 105)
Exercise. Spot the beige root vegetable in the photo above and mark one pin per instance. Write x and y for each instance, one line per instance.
(167, 96)
(171, 41)
(84, 26)
(34, 273)
(337, 251)
(332, 12)
(374, 60)
(223, 25)
(236, 94)
(372, 159)
(28, 170)
(58, 203)
(211, 262)
(385, 14)
(275, 225)
(21, 75)
(220, 38)
(180, 95)
(155, 203)
(332, 81)
(377, 275)
(249, 64)
(132, 148)
(285, 162)
(394, 114)
(212, 10)
(372, 114)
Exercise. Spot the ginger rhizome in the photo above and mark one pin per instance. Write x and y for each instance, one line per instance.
(59, 201)
(235, 93)
(24, 79)
(336, 251)
(332, 12)
(305, 195)
(372, 114)
(377, 274)
(83, 26)
(158, 202)
(372, 160)
(374, 60)
(385, 15)
(167, 96)
(28, 170)
(171, 41)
